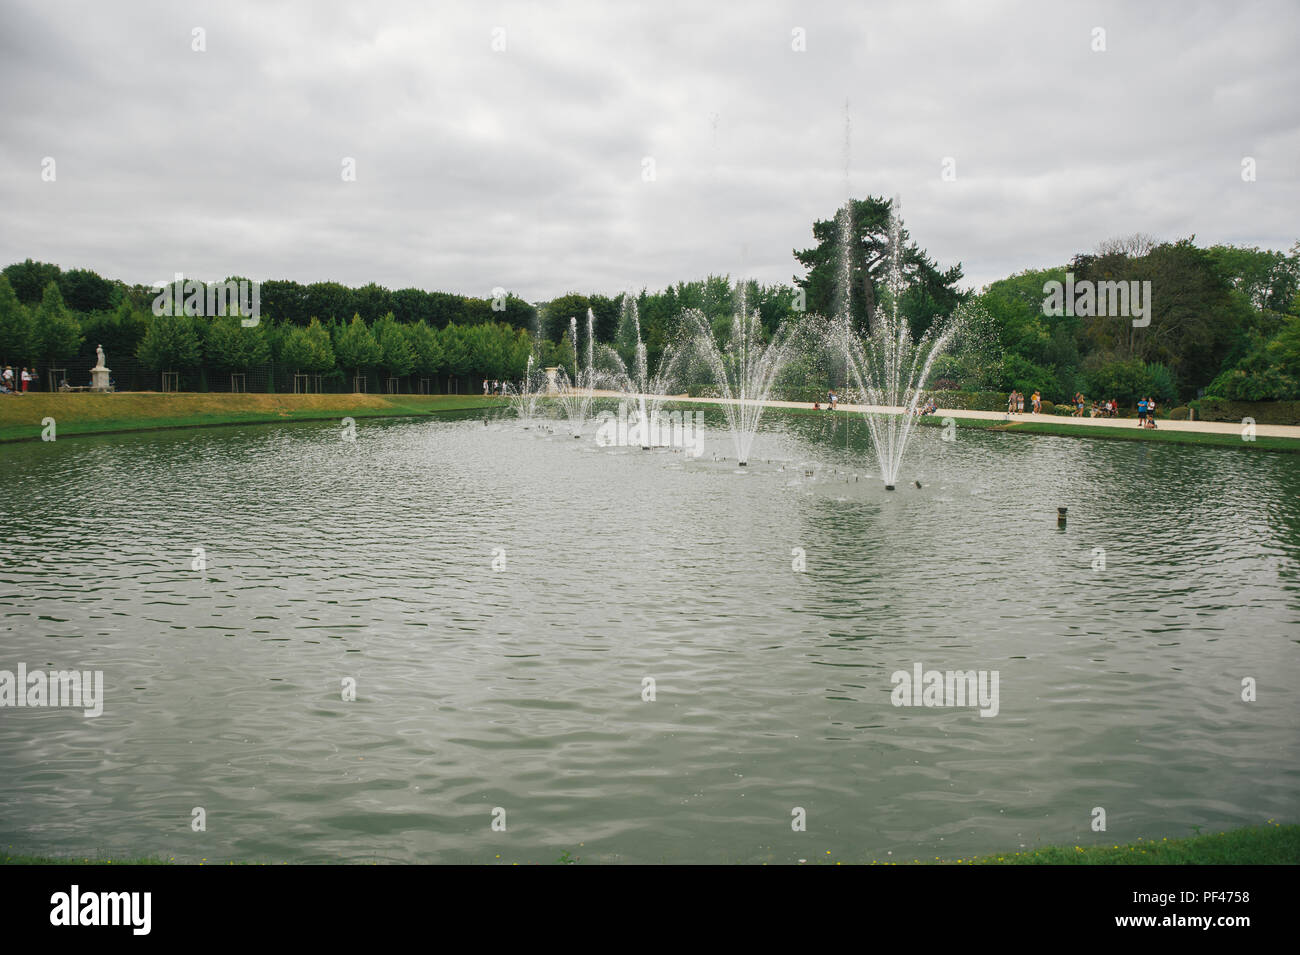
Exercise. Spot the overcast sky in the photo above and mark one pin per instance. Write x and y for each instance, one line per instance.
(525, 167)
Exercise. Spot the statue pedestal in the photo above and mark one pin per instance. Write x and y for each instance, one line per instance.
(99, 379)
(552, 385)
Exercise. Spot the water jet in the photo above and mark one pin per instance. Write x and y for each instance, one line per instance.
(889, 368)
(744, 371)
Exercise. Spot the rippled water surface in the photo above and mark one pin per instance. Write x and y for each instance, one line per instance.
(522, 687)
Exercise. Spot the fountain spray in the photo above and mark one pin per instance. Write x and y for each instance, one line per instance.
(890, 370)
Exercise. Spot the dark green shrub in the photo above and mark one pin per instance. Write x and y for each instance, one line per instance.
(1264, 412)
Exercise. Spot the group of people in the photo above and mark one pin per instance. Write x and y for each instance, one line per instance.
(494, 387)
(1099, 409)
(1016, 403)
(832, 399)
(17, 382)
(1146, 412)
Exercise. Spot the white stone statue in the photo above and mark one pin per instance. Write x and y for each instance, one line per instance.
(99, 374)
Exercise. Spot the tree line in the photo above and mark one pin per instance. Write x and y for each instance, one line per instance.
(1225, 320)
(179, 342)
(451, 334)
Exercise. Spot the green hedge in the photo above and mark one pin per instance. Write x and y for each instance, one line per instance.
(1264, 412)
(974, 400)
(703, 391)
(955, 400)
(1177, 414)
(805, 395)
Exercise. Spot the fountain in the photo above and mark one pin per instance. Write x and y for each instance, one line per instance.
(576, 396)
(745, 372)
(523, 399)
(891, 371)
(638, 386)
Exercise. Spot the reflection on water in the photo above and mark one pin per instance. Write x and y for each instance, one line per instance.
(521, 687)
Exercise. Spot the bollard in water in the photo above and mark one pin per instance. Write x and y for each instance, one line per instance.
(1060, 516)
(889, 487)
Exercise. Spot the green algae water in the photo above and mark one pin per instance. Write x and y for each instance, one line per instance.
(459, 641)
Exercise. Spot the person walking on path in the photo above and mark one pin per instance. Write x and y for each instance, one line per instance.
(27, 379)
(1038, 402)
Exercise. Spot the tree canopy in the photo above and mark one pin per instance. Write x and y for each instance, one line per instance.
(1224, 320)
(931, 292)
(56, 333)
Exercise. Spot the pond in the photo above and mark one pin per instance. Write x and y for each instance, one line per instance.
(638, 656)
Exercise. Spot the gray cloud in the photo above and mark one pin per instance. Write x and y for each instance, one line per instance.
(523, 168)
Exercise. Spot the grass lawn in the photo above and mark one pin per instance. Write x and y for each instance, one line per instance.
(1134, 433)
(13, 859)
(1066, 430)
(74, 414)
(1270, 844)
(79, 413)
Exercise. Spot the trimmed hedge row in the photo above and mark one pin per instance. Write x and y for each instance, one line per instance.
(974, 400)
(956, 400)
(1264, 412)
(809, 395)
